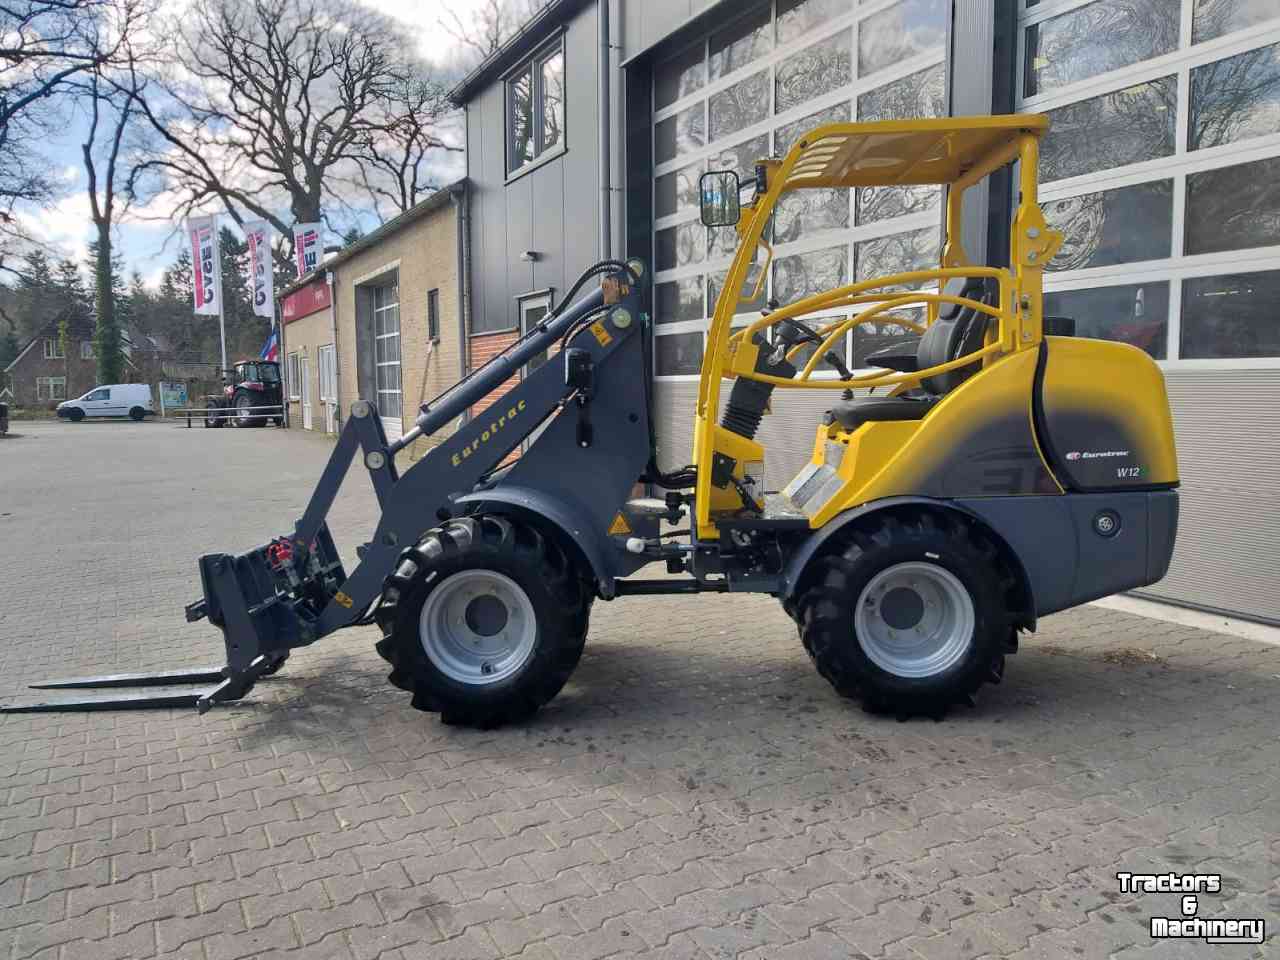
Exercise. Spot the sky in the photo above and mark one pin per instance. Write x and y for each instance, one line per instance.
(150, 245)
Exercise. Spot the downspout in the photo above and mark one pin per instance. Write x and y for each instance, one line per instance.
(462, 227)
(331, 280)
(606, 160)
(284, 363)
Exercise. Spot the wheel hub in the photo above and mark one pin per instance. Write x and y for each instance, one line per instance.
(477, 627)
(914, 619)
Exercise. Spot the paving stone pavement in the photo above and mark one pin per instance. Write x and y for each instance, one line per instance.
(697, 791)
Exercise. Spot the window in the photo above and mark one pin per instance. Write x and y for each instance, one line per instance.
(532, 310)
(535, 108)
(51, 388)
(757, 81)
(1161, 167)
(433, 315)
(103, 394)
(86, 349)
(292, 375)
(386, 352)
(53, 349)
(328, 375)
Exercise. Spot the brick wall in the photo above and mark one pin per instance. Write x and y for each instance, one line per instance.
(305, 336)
(425, 254)
(484, 347)
(81, 374)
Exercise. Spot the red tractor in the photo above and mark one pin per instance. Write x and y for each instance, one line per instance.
(251, 395)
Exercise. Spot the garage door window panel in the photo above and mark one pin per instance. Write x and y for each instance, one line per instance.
(1137, 314)
(678, 354)
(898, 253)
(1234, 208)
(1216, 18)
(797, 17)
(1095, 39)
(680, 300)
(921, 94)
(682, 133)
(785, 137)
(740, 105)
(902, 31)
(1124, 225)
(386, 346)
(1235, 98)
(1231, 316)
(804, 274)
(1128, 126)
(740, 44)
(682, 75)
(818, 69)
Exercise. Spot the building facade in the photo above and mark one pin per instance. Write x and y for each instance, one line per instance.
(48, 370)
(587, 132)
(379, 320)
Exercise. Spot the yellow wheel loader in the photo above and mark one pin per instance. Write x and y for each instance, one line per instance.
(982, 472)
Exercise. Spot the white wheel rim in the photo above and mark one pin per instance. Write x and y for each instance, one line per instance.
(478, 627)
(914, 620)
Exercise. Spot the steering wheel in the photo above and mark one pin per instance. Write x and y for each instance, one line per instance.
(803, 333)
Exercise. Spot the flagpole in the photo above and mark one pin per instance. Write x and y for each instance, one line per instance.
(222, 333)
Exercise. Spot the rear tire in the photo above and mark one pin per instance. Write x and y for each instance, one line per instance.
(136, 414)
(911, 617)
(244, 404)
(483, 621)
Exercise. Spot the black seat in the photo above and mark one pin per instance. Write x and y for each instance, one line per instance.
(958, 331)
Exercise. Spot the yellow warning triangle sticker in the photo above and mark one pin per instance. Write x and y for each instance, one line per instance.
(619, 525)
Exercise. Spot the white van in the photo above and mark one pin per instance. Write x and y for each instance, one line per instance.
(113, 400)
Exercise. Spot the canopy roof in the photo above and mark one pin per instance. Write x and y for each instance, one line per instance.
(904, 151)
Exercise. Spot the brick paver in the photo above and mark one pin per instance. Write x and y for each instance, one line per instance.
(696, 791)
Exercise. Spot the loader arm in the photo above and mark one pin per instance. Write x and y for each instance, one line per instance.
(294, 590)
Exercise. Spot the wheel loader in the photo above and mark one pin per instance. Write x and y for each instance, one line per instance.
(984, 472)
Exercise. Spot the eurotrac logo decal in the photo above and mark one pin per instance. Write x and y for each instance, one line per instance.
(495, 426)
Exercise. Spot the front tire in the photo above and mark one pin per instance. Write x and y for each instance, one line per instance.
(911, 617)
(76, 415)
(483, 621)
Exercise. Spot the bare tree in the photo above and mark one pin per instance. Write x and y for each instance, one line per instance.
(397, 159)
(112, 108)
(490, 25)
(47, 47)
(274, 99)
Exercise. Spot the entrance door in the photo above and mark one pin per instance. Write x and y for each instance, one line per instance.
(386, 355)
(304, 365)
(329, 388)
(532, 311)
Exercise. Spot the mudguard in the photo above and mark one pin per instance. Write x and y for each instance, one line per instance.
(812, 547)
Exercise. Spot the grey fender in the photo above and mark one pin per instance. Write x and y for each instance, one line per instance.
(573, 523)
(812, 547)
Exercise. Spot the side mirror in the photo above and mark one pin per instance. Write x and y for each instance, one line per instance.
(718, 190)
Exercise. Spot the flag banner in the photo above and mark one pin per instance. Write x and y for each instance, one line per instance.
(206, 266)
(261, 274)
(306, 246)
(271, 349)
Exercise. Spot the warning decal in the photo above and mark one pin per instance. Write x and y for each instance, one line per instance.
(619, 525)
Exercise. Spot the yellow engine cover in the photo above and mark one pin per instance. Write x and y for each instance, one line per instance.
(1104, 416)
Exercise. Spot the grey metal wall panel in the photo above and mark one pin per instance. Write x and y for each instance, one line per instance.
(580, 232)
(648, 21)
(1228, 550)
(553, 209)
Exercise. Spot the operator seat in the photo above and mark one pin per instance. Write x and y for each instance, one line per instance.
(958, 331)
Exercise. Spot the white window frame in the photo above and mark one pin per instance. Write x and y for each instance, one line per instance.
(1179, 64)
(46, 385)
(849, 93)
(53, 349)
(541, 154)
(433, 314)
(327, 372)
(293, 374)
(378, 338)
(86, 350)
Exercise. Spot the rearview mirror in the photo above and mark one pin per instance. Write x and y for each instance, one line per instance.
(718, 190)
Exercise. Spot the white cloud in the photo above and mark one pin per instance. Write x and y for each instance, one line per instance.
(424, 19)
(66, 225)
